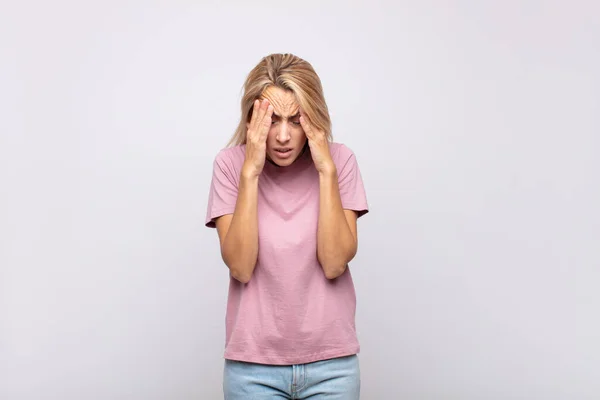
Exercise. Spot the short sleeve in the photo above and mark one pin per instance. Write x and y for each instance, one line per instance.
(223, 190)
(352, 190)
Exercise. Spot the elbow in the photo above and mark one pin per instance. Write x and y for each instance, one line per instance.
(240, 262)
(239, 271)
(335, 265)
(334, 273)
(240, 277)
(334, 269)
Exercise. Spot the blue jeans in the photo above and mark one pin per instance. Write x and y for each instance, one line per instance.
(337, 378)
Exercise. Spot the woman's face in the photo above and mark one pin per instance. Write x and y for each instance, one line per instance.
(286, 138)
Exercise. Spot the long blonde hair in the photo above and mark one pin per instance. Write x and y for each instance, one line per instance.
(288, 72)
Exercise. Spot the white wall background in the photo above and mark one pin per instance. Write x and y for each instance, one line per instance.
(475, 123)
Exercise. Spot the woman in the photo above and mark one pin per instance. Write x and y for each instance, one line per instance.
(285, 200)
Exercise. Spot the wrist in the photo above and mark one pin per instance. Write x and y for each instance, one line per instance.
(249, 174)
(328, 170)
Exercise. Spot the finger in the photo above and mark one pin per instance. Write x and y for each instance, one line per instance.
(254, 112)
(303, 117)
(269, 113)
(260, 110)
(305, 125)
(266, 121)
(263, 108)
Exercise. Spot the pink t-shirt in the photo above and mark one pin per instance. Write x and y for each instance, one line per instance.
(289, 312)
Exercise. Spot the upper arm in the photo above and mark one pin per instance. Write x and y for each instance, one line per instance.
(222, 223)
(223, 188)
(351, 217)
(352, 190)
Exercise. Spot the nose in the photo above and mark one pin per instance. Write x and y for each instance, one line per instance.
(283, 134)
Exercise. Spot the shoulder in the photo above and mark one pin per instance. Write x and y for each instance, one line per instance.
(341, 154)
(232, 156)
(228, 163)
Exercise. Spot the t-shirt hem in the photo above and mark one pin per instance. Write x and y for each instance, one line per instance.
(291, 360)
(210, 222)
(361, 209)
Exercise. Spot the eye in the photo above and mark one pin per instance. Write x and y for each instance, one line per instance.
(296, 122)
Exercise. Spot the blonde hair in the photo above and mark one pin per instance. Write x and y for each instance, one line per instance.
(288, 72)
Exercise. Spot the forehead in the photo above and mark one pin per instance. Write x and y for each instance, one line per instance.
(284, 102)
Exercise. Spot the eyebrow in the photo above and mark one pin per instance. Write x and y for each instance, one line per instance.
(290, 117)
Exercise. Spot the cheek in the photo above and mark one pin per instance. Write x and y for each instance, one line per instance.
(299, 133)
(271, 137)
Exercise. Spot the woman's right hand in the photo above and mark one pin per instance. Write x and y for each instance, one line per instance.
(256, 138)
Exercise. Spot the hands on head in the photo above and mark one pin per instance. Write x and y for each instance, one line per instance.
(258, 132)
(256, 137)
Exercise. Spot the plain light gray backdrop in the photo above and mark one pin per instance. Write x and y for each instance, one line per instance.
(476, 128)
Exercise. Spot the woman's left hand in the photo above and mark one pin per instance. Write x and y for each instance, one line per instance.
(319, 146)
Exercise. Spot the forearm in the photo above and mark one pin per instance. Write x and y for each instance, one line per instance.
(240, 247)
(336, 244)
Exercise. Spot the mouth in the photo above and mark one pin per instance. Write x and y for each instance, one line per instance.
(283, 153)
